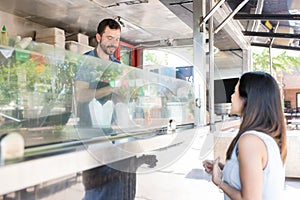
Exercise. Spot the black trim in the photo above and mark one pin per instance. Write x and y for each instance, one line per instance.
(271, 17)
(275, 46)
(271, 35)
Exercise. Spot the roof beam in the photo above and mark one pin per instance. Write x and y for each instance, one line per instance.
(237, 9)
(271, 17)
(211, 12)
(271, 35)
(233, 29)
(275, 46)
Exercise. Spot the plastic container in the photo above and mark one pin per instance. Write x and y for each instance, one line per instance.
(4, 40)
(22, 56)
(176, 111)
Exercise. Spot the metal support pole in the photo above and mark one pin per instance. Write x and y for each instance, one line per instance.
(199, 62)
(247, 66)
(270, 50)
(211, 72)
(270, 59)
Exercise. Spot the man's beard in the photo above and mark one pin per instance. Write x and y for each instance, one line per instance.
(105, 49)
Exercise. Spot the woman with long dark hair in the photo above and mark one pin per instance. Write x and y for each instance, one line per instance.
(254, 167)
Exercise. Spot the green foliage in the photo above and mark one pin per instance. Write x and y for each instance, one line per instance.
(8, 83)
(33, 76)
(282, 62)
(65, 74)
(151, 57)
(29, 69)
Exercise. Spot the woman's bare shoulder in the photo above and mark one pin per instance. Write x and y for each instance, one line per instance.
(250, 139)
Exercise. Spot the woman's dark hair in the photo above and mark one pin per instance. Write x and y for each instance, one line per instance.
(111, 23)
(262, 109)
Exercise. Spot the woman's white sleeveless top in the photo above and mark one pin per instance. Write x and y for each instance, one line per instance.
(273, 174)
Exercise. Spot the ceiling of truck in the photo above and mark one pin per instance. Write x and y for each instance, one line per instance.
(143, 20)
(283, 16)
(158, 22)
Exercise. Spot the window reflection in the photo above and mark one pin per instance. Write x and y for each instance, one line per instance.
(38, 96)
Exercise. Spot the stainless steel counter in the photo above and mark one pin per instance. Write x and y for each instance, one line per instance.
(50, 162)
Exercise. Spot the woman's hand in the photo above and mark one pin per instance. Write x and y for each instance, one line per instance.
(216, 172)
(208, 166)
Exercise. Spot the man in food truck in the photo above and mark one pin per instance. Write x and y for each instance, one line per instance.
(105, 182)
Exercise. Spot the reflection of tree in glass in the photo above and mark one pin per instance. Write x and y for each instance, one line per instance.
(8, 83)
(35, 75)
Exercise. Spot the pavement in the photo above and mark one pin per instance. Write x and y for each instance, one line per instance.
(186, 179)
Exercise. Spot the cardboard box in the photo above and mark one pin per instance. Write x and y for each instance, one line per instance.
(79, 37)
(52, 40)
(57, 41)
(53, 36)
(49, 32)
(77, 47)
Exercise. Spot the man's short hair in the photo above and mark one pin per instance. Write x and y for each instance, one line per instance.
(111, 23)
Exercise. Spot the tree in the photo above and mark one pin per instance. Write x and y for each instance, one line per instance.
(151, 58)
(282, 62)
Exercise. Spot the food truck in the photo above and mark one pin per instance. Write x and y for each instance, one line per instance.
(154, 110)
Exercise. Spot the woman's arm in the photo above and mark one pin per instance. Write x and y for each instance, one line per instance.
(252, 160)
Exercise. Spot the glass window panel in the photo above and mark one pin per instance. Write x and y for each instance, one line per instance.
(39, 97)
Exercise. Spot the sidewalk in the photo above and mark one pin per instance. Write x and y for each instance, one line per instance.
(185, 179)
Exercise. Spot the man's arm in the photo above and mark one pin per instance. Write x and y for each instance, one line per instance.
(85, 94)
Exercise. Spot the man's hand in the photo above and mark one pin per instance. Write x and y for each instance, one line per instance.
(150, 160)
